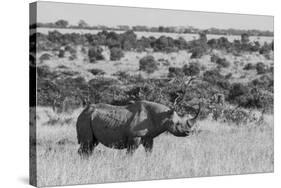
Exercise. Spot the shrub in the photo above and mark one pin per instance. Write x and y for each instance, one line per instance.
(128, 40)
(266, 48)
(122, 75)
(249, 66)
(191, 70)
(95, 53)
(113, 40)
(264, 82)
(164, 43)
(260, 67)
(175, 72)
(245, 38)
(83, 50)
(223, 43)
(236, 90)
(223, 62)
(97, 72)
(45, 56)
(72, 57)
(228, 76)
(116, 54)
(148, 64)
(70, 49)
(180, 43)
(143, 43)
(43, 71)
(248, 97)
(61, 53)
(214, 77)
(214, 58)
(220, 61)
(197, 52)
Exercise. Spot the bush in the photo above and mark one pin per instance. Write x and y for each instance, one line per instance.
(116, 54)
(248, 97)
(122, 75)
(197, 52)
(128, 40)
(223, 62)
(191, 70)
(45, 56)
(113, 40)
(214, 58)
(143, 43)
(266, 48)
(245, 38)
(236, 90)
(97, 72)
(61, 53)
(264, 82)
(148, 64)
(249, 66)
(72, 57)
(175, 72)
(95, 53)
(166, 44)
(214, 77)
(220, 61)
(228, 76)
(261, 68)
(70, 49)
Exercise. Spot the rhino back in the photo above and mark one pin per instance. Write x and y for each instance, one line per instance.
(110, 125)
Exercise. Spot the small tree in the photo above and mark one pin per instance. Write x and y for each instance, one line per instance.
(237, 89)
(223, 62)
(245, 38)
(249, 66)
(82, 24)
(175, 72)
(148, 64)
(61, 23)
(191, 70)
(95, 53)
(61, 53)
(260, 67)
(116, 54)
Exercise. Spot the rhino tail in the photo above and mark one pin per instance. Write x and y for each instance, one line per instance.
(85, 134)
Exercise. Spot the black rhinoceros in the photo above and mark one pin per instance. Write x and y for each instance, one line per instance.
(126, 127)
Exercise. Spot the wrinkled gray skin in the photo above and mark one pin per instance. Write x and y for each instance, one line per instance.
(126, 127)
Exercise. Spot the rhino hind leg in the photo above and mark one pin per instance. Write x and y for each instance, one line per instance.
(87, 148)
(132, 145)
(147, 144)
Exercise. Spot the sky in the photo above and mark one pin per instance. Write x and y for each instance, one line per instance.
(114, 15)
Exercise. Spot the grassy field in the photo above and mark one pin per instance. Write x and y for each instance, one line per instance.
(217, 149)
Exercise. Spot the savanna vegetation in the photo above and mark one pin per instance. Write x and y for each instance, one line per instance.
(233, 81)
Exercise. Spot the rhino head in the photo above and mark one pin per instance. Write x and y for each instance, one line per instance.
(180, 126)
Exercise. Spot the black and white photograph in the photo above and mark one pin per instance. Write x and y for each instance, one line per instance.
(121, 94)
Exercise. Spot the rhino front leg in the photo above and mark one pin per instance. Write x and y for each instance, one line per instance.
(147, 144)
(132, 145)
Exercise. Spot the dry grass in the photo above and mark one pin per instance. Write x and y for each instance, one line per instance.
(219, 149)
